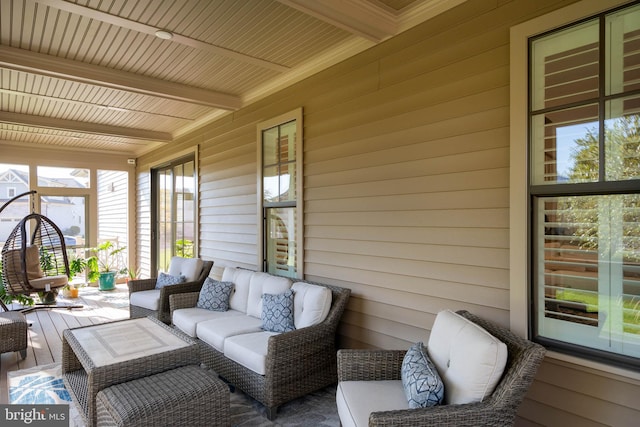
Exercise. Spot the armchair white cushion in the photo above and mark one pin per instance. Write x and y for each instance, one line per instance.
(469, 359)
(311, 304)
(146, 299)
(187, 267)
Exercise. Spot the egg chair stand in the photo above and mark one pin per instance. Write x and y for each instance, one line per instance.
(34, 259)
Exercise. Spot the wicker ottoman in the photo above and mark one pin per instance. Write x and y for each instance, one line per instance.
(13, 333)
(187, 396)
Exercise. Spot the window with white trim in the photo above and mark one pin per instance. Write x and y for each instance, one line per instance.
(584, 186)
(280, 194)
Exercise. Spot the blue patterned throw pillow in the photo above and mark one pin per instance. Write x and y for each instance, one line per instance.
(214, 295)
(420, 379)
(277, 312)
(165, 279)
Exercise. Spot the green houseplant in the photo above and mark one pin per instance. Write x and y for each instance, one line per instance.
(104, 265)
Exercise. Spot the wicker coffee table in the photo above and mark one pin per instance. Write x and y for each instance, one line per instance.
(98, 356)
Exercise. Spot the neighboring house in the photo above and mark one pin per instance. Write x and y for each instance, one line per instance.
(60, 209)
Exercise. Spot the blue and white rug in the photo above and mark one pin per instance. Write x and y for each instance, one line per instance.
(38, 385)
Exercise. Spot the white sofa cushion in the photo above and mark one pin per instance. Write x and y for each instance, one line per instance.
(356, 400)
(264, 283)
(187, 267)
(146, 299)
(311, 304)
(469, 359)
(215, 331)
(249, 350)
(186, 319)
(240, 278)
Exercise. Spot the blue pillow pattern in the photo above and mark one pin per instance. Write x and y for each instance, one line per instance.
(420, 379)
(165, 279)
(277, 312)
(215, 295)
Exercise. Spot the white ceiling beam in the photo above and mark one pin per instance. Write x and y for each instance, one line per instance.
(51, 66)
(150, 30)
(92, 105)
(358, 17)
(82, 127)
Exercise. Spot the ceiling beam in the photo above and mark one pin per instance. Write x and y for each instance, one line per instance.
(151, 30)
(83, 127)
(52, 66)
(358, 17)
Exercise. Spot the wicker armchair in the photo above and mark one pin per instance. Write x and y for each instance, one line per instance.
(13, 333)
(499, 409)
(163, 314)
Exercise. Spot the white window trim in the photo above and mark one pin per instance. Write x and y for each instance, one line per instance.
(519, 275)
(267, 124)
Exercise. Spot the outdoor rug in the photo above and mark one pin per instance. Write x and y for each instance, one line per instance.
(44, 385)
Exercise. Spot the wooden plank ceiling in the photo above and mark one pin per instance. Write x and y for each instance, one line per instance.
(94, 75)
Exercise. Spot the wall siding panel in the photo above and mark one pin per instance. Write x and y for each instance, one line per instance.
(406, 191)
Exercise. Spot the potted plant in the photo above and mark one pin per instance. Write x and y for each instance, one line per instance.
(103, 266)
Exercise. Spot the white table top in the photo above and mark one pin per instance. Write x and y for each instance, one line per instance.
(120, 341)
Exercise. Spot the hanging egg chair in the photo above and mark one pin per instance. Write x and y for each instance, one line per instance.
(34, 257)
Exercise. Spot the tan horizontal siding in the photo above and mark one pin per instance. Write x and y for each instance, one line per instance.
(406, 190)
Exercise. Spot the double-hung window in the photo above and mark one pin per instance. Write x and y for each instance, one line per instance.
(280, 195)
(584, 186)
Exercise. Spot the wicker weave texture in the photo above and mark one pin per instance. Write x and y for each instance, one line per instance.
(188, 396)
(298, 362)
(84, 379)
(13, 333)
(497, 410)
(163, 313)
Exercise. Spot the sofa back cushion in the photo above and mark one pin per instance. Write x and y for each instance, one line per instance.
(469, 359)
(240, 278)
(187, 267)
(311, 304)
(264, 283)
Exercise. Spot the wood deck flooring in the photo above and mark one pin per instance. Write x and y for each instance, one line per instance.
(45, 332)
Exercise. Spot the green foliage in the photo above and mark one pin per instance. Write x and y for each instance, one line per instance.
(105, 258)
(622, 141)
(76, 266)
(184, 248)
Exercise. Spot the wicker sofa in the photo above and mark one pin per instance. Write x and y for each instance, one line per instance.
(366, 371)
(289, 364)
(145, 300)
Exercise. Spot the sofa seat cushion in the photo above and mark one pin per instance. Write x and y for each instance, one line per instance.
(215, 331)
(249, 350)
(469, 359)
(186, 319)
(190, 268)
(356, 400)
(146, 299)
(311, 304)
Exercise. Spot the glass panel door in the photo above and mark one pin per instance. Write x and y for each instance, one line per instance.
(175, 211)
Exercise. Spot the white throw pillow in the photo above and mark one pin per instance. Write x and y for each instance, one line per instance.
(469, 359)
(311, 304)
(187, 267)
